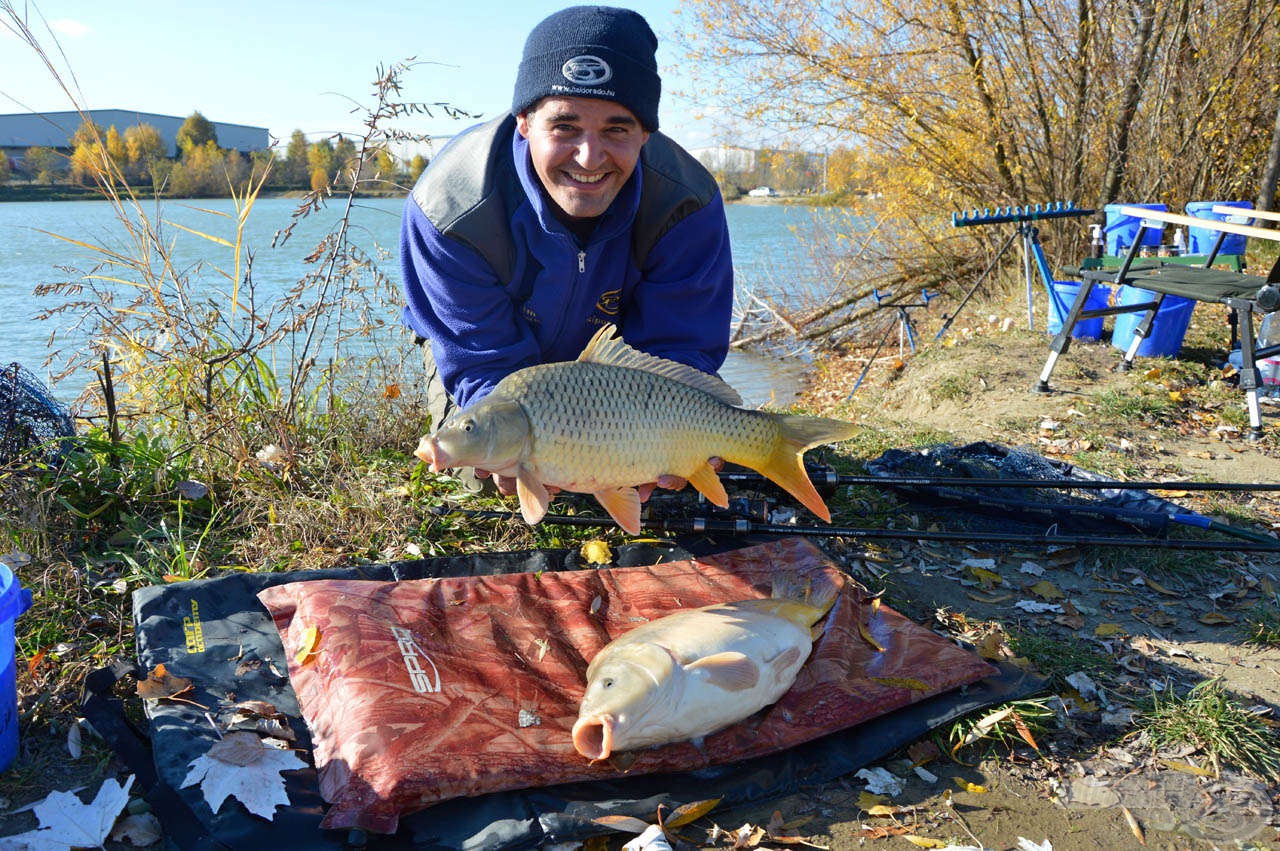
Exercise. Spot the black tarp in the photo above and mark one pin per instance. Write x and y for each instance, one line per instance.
(229, 615)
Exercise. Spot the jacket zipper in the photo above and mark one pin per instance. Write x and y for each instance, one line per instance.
(582, 262)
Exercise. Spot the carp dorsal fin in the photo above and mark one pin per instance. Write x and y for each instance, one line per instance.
(729, 670)
(608, 349)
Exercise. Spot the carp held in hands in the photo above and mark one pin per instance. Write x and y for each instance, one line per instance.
(617, 418)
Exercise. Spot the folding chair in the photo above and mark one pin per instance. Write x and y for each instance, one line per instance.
(1245, 294)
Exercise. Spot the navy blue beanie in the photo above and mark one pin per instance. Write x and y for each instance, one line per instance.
(592, 52)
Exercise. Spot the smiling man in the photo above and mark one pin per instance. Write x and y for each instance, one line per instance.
(530, 231)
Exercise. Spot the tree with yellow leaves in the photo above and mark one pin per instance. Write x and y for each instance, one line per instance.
(961, 104)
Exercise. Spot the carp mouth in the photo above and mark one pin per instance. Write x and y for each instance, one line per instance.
(429, 451)
(593, 737)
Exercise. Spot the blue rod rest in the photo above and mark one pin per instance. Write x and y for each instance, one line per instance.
(1029, 213)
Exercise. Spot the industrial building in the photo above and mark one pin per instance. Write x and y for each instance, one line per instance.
(19, 131)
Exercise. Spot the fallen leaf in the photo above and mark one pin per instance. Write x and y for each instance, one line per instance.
(777, 831)
(1157, 587)
(889, 810)
(653, 837)
(597, 552)
(1046, 590)
(1134, 826)
(307, 646)
(73, 740)
(867, 800)
(994, 646)
(985, 725)
(903, 682)
(866, 636)
(1103, 630)
(192, 490)
(924, 841)
(883, 832)
(138, 830)
(971, 787)
(161, 685)
(623, 824)
(391, 391)
(67, 822)
(879, 781)
(1178, 765)
(923, 751)
(1215, 619)
(34, 662)
(1037, 608)
(687, 813)
(240, 766)
(989, 598)
(986, 578)
(1024, 731)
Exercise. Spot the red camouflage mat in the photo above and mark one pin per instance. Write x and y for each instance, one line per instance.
(425, 690)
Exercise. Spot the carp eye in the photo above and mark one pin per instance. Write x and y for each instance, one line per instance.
(468, 425)
(606, 683)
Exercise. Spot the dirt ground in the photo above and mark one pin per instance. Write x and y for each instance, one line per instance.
(1134, 622)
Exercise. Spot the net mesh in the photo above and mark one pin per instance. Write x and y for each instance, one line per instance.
(32, 422)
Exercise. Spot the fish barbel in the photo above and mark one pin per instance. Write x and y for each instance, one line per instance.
(616, 418)
(689, 674)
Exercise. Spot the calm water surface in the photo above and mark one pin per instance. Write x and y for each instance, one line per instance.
(768, 246)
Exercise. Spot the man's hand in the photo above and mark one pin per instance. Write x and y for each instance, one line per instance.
(507, 484)
(674, 483)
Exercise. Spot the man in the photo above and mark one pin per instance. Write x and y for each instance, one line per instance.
(530, 231)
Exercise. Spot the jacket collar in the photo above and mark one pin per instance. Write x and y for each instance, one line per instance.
(616, 219)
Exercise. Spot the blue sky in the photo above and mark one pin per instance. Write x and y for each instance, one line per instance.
(289, 65)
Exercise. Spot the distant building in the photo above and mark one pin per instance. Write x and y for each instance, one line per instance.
(19, 131)
(726, 158)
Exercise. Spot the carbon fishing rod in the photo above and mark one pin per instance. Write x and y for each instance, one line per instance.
(829, 478)
(696, 525)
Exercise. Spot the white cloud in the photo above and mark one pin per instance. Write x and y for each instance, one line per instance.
(69, 27)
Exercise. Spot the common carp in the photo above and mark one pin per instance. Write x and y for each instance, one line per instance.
(689, 674)
(617, 418)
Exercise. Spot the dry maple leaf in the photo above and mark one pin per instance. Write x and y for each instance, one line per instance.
(240, 766)
(67, 822)
(162, 685)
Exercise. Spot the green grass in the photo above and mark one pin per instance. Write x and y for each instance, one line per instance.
(1057, 659)
(997, 728)
(1130, 404)
(1264, 624)
(1210, 720)
(955, 388)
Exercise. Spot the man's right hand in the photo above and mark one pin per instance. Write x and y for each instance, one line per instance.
(507, 484)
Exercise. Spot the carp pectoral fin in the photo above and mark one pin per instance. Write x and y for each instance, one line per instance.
(623, 505)
(534, 498)
(707, 483)
(729, 670)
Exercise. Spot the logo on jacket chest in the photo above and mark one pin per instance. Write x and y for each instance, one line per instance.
(610, 302)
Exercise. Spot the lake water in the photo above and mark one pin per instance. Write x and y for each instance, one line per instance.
(768, 240)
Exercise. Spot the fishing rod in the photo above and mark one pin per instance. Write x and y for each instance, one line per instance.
(830, 478)
(696, 525)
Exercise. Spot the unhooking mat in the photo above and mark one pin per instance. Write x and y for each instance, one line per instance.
(217, 634)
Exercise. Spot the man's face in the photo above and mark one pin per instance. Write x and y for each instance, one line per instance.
(583, 150)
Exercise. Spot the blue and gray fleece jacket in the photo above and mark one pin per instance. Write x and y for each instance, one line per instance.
(496, 282)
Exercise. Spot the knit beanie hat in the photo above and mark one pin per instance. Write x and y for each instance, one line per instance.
(593, 52)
